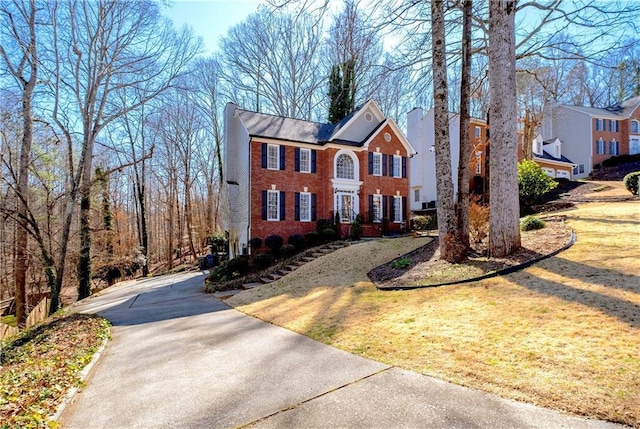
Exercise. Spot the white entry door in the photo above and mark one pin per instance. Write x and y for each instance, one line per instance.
(345, 206)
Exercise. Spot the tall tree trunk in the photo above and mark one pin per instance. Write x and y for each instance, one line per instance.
(462, 204)
(444, 184)
(84, 260)
(504, 232)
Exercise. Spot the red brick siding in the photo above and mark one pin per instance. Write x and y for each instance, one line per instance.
(608, 136)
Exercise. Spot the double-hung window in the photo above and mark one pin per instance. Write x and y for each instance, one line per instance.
(600, 124)
(397, 166)
(305, 207)
(478, 162)
(397, 209)
(273, 205)
(273, 157)
(305, 160)
(477, 132)
(377, 164)
(613, 126)
(614, 147)
(601, 147)
(635, 127)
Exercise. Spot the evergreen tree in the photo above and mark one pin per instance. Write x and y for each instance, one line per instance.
(341, 97)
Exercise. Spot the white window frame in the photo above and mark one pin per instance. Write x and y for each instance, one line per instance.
(273, 197)
(397, 209)
(601, 147)
(377, 164)
(477, 132)
(600, 124)
(273, 162)
(397, 166)
(376, 216)
(635, 127)
(478, 162)
(616, 146)
(416, 195)
(305, 207)
(305, 160)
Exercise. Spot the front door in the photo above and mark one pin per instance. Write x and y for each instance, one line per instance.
(345, 206)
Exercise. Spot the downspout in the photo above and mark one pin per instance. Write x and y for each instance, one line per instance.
(250, 201)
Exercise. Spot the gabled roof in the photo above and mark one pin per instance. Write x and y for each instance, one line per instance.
(547, 156)
(297, 130)
(616, 111)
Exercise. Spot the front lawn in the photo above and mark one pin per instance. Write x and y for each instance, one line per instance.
(563, 334)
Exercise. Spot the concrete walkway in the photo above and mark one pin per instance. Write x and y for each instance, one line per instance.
(181, 358)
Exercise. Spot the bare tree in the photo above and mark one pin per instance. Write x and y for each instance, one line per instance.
(280, 71)
(19, 22)
(103, 48)
(504, 232)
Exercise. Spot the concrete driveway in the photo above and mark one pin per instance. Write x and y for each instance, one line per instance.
(180, 358)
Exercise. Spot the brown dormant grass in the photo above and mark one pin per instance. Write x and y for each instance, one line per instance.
(564, 334)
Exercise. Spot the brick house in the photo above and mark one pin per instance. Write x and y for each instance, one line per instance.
(283, 174)
(592, 135)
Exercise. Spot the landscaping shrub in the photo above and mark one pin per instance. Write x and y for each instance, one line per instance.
(237, 266)
(263, 260)
(288, 250)
(631, 182)
(422, 223)
(478, 222)
(217, 242)
(329, 234)
(255, 243)
(296, 240)
(274, 242)
(533, 182)
(312, 238)
(403, 262)
(355, 231)
(219, 273)
(322, 224)
(531, 223)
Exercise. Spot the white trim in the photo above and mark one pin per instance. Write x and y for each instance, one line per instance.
(277, 149)
(369, 106)
(308, 152)
(277, 193)
(308, 196)
(398, 132)
(356, 166)
(377, 156)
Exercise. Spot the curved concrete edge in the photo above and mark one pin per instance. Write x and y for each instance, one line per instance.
(68, 398)
(502, 272)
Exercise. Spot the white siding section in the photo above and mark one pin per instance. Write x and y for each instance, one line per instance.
(236, 212)
(573, 128)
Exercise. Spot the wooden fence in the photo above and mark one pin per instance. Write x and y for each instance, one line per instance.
(37, 315)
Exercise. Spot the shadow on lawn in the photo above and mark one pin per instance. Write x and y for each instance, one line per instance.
(625, 311)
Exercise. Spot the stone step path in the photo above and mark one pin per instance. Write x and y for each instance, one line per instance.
(277, 275)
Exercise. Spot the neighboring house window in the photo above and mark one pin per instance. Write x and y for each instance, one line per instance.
(613, 126)
(477, 132)
(614, 147)
(375, 208)
(601, 148)
(478, 162)
(599, 124)
(416, 195)
(635, 127)
(397, 166)
(397, 209)
(539, 147)
(578, 169)
(377, 164)
(344, 167)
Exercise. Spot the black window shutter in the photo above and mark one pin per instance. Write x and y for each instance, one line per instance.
(385, 208)
(391, 165)
(282, 207)
(297, 161)
(384, 164)
(370, 208)
(264, 155)
(297, 205)
(404, 167)
(404, 209)
(391, 208)
(264, 205)
(313, 207)
(370, 162)
(282, 157)
(313, 161)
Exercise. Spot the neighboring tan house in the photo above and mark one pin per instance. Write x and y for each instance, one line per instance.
(548, 155)
(592, 135)
(421, 134)
(283, 174)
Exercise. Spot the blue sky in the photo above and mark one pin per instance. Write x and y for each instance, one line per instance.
(210, 19)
